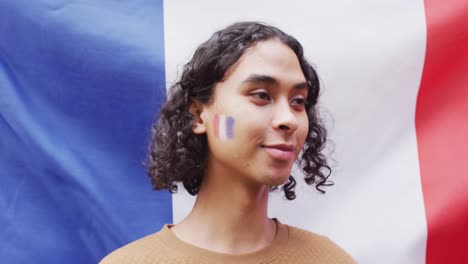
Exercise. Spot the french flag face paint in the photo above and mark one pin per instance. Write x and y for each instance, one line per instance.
(224, 127)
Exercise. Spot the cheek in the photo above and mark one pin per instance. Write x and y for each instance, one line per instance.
(254, 120)
(223, 127)
(303, 128)
(249, 128)
(237, 135)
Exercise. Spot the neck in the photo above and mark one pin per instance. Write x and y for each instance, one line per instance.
(229, 216)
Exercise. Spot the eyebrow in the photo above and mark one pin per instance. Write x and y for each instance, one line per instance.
(266, 79)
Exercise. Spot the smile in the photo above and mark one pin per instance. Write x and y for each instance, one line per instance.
(282, 152)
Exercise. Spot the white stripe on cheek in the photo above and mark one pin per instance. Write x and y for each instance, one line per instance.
(222, 127)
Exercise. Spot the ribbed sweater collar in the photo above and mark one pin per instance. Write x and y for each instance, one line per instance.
(275, 248)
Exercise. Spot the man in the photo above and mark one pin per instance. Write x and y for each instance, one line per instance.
(231, 130)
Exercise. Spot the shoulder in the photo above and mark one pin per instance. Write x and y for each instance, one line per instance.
(149, 249)
(317, 246)
(304, 236)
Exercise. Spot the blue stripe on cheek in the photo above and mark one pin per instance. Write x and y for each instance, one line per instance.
(230, 127)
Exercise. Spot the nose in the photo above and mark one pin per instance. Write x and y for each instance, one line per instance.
(285, 119)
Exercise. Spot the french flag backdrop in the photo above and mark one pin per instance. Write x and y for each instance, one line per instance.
(81, 82)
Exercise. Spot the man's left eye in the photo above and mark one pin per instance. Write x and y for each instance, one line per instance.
(298, 101)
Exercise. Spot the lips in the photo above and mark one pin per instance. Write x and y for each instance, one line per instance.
(280, 151)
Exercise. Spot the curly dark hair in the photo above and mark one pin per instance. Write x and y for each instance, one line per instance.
(176, 154)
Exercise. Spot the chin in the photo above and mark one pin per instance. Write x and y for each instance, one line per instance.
(276, 180)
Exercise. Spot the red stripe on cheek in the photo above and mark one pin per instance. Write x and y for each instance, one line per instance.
(442, 131)
(216, 125)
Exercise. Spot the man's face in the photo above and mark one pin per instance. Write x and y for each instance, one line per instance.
(257, 123)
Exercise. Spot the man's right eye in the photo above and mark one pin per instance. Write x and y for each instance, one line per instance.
(263, 96)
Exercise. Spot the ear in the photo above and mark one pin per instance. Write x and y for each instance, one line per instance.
(196, 109)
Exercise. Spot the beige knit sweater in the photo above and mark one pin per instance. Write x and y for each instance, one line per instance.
(291, 245)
